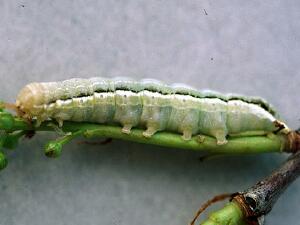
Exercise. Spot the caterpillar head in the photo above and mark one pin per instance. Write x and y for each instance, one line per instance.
(29, 99)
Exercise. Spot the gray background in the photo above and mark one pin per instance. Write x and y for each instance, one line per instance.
(248, 47)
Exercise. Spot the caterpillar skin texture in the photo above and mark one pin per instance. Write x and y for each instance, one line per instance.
(148, 104)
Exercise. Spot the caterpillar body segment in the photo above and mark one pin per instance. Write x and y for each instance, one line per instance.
(213, 119)
(128, 109)
(148, 104)
(156, 112)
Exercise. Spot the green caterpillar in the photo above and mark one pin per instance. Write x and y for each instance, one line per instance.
(151, 105)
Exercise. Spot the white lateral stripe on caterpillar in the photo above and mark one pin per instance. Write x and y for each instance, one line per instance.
(148, 104)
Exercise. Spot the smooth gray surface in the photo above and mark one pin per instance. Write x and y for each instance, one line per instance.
(248, 47)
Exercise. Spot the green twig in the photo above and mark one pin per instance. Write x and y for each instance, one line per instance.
(14, 127)
(54, 148)
(254, 144)
(231, 214)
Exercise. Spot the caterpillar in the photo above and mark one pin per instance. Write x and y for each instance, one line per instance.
(151, 105)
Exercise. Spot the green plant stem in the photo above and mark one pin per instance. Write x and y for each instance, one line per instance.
(54, 148)
(254, 144)
(231, 214)
(235, 145)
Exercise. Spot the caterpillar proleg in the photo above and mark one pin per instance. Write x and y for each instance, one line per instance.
(151, 105)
